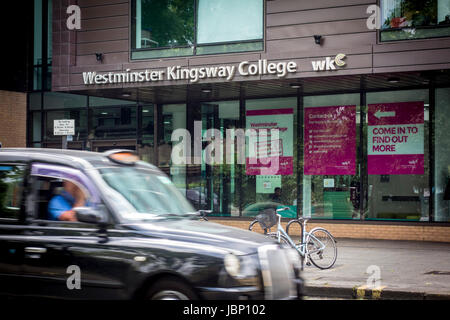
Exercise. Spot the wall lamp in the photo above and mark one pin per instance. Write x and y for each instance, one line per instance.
(393, 80)
(317, 39)
(99, 56)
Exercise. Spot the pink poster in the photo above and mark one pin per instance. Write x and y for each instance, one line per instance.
(270, 147)
(330, 140)
(395, 138)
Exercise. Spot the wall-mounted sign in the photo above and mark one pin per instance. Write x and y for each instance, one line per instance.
(192, 74)
(270, 152)
(330, 140)
(267, 184)
(64, 127)
(395, 138)
(329, 63)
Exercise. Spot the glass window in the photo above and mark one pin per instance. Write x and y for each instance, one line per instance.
(229, 20)
(397, 128)
(80, 117)
(213, 180)
(37, 57)
(168, 28)
(148, 196)
(164, 23)
(104, 102)
(35, 100)
(414, 19)
(331, 179)
(11, 179)
(267, 180)
(170, 118)
(442, 156)
(146, 147)
(36, 131)
(56, 100)
(113, 123)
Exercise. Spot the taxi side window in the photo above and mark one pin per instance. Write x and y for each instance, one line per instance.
(49, 188)
(11, 187)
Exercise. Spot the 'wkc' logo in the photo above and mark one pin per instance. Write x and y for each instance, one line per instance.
(329, 63)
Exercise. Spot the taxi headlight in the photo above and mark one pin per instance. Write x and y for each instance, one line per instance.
(240, 267)
(232, 265)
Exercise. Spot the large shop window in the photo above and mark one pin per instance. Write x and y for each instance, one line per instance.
(414, 19)
(214, 174)
(331, 179)
(170, 118)
(270, 174)
(442, 156)
(168, 28)
(113, 123)
(397, 126)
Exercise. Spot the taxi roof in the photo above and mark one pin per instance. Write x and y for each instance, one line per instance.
(74, 158)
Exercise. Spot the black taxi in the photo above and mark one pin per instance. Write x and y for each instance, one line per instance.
(128, 233)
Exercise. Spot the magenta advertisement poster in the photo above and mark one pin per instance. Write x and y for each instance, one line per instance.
(268, 154)
(395, 138)
(330, 140)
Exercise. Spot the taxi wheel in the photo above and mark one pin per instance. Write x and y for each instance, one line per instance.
(171, 289)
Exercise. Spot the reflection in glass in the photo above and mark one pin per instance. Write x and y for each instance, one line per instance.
(260, 191)
(442, 156)
(164, 23)
(414, 19)
(80, 117)
(331, 196)
(400, 196)
(113, 123)
(229, 20)
(146, 147)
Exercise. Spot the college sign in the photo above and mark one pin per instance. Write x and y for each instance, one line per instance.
(192, 74)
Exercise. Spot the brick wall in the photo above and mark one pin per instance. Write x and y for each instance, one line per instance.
(365, 231)
(13, 119)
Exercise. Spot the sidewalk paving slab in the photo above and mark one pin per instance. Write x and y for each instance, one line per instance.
(413, 270)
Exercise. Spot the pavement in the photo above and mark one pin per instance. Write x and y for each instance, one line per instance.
(395, 269)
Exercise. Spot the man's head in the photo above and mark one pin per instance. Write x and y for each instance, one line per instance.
(278, 191)
(70, 187)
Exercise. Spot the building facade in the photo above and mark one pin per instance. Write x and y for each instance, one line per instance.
(358, 91)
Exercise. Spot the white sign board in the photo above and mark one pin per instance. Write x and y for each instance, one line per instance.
(328, 183)
(65, 127)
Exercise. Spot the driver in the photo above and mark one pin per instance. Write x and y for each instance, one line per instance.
(60, 207)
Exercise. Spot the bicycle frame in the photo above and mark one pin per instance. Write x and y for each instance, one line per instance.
(301, 248)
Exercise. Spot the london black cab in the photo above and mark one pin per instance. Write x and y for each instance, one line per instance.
(127, 233)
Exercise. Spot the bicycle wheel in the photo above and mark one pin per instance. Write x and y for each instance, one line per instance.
(321, 248)
(295, 226)
(256, 226)
(283, 241)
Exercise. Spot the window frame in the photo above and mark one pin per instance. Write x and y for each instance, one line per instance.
(431, 27)
(33, 212)
(195, 45)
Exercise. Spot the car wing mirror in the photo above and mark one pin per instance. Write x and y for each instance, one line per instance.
(89, 215)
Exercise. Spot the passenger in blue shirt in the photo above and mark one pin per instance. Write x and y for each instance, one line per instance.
(61, 206)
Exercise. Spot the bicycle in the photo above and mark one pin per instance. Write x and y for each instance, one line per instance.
(317, 245)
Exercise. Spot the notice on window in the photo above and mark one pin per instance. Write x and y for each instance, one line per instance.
(395, 138)
(267, 184)
(270, 142)
(64, 127)
(330, 140)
